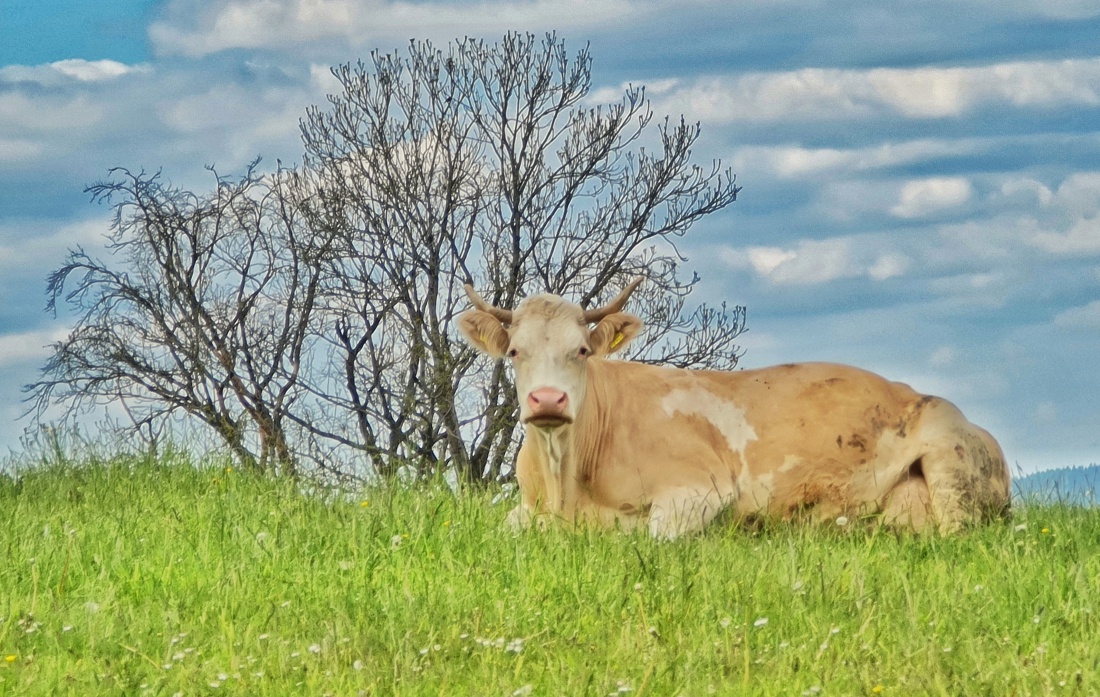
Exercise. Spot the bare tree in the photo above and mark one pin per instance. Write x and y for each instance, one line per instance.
(486, 164)
(307, 315)
(205, 312)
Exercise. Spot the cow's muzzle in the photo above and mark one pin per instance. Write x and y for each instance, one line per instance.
(547, 408)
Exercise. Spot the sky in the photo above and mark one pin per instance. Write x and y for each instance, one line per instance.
(921, 179)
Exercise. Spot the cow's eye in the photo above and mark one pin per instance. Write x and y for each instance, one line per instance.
(583, 351)
(512, 352)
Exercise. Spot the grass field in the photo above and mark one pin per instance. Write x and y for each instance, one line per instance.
(159, 578)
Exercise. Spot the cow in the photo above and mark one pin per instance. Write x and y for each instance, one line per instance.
(626, 444)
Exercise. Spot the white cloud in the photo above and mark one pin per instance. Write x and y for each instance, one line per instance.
(91, 71)
(1082, 238)
(943, 357)
(793, 161)
(1046, 413)
(917, 93)
(72, 69)
(767, 259)
(810, 262)
(197, 28)
(982, 291)
(888, 266)
(47, 113)
(18, 149)
(1079, 194)
(813, 262)
(1070, 223)
(28, 347)
(1027, 187)
(1086, 317)
(921, 197)
(31, 246)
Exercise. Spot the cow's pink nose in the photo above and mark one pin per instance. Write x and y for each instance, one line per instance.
(547, 401)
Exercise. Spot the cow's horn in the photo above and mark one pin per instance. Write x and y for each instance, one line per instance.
(504, 316)
(616, 305)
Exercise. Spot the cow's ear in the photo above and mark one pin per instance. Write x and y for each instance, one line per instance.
(614, 332)
(484, 332)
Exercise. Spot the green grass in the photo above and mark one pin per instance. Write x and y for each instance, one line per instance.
(159, 578)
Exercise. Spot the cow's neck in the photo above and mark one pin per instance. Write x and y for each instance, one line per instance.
(568, 454)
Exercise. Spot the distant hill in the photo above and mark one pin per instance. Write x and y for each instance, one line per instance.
(1076, 485)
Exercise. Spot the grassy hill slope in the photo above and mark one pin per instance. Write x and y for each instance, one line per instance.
(159, 578)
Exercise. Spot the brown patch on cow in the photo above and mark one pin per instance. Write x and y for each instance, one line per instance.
(901, 427)
(832, 381)
(903, 424)
(858, 441)
(840, 441)
(960, 451)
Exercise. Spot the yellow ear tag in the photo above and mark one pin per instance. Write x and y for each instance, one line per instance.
(617, 340)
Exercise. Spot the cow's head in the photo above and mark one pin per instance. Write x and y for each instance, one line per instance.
(549, 341)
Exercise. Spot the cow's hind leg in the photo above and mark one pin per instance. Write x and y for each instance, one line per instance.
(963, 469)
(909, 504)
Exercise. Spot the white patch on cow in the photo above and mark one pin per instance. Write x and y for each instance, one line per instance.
(790, 462)
(756, 492)
(723, 414)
